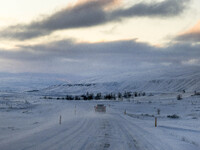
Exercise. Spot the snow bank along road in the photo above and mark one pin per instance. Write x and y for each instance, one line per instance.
(87, 130)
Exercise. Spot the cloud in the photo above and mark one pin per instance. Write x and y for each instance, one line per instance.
(167, 8)
(81, 15)
(68, 56)
(191, 61)
(191, 35)
(92, 13)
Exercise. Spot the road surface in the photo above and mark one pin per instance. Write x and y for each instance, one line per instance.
(92, 131)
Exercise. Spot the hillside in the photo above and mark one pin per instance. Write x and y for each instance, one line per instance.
(168, 81)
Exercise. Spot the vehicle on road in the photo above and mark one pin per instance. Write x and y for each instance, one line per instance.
(100, 108)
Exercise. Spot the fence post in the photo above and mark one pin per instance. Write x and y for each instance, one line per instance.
(158, 111)
(155, 121)
(60, 119)
(75, 110)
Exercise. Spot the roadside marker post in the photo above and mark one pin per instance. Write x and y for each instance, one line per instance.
(158, 111)
(155, 121)
(75, 110)
(125, 112)
(60, 119)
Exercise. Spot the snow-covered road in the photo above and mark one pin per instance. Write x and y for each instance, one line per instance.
(38, 128)
(92, 131)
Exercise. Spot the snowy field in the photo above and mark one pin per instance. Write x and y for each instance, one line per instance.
(28, 122)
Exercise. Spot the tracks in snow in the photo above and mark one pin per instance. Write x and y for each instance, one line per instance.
(99, 132)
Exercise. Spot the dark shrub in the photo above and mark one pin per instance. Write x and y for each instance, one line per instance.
(173, 116)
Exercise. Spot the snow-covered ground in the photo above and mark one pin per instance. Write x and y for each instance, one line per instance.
(162, 81)
(28, 122)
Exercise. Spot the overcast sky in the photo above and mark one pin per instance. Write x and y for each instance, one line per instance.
(95, 36)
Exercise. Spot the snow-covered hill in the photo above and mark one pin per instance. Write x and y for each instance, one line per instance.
(152, 81)
(19, 82)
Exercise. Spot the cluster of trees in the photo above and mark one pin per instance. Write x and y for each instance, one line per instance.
(179, 97)
(70, 85)
(100, 96)
(196, 93)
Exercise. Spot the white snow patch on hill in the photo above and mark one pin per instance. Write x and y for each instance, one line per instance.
(153, 81)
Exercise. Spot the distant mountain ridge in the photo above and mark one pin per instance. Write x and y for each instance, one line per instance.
(174, 81)
(169, 80)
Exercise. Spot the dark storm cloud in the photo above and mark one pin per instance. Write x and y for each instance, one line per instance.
(69, 56)
(81, 15)
(131, 49)
(168, 8)
(189, 37)
(92, 13)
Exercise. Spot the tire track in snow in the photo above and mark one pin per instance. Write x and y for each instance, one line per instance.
(45, 138)
(111, 131)
(68, 134)
(144, 139)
